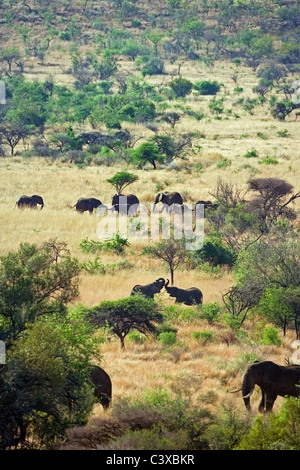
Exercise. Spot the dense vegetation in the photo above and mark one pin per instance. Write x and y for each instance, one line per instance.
(50, 341)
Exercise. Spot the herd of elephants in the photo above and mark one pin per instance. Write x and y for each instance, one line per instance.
(273, 379)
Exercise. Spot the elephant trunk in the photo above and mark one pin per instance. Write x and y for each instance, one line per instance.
(166, 285)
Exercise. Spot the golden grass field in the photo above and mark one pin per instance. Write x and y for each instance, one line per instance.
(190, 367)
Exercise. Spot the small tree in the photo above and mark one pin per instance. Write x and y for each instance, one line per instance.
(148, 152)
(171, 251)
(271, 200)
(34, 282)
(13, 133)
(124, 315)
(122, 179)
(181, 86)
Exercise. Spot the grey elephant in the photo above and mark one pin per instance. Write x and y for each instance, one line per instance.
(149, 290)
(30, 201)
(103, 386)
(125, 204)
(190, 296)
(273, 380)
(207, 205)
(88, 204)
(168, 199)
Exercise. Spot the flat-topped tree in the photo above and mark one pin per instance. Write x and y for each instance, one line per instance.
(122, 179)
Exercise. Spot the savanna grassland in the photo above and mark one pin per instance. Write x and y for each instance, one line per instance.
(203, 372)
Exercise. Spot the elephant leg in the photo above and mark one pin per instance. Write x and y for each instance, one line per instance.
(270, 399)
(261, 406)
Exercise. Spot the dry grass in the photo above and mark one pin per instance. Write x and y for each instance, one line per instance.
(191, 367)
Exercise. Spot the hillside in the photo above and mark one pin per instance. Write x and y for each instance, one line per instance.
(212, 89)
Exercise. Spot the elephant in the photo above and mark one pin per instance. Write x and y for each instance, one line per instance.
(207, 205)
(168, 200)
(103, 386)
(149, 289)
(126, 205)
(89, 204)
(190, 296)
(30, 201)
(273, 380)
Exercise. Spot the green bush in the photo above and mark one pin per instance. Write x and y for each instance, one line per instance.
(202, 336)
(210, 312)
(270, 336)
(277, 431)
(167, 338)
(251, 154)
(206, 87)
(215, 253)
(181, 87)
(136, 337)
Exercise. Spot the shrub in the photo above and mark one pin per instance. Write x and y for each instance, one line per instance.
(210, 312)
(270, 336)
(215, 253)
(181, 87)
(136, 337)
(202, 336)
(251, 154)
(269, 161)
(167, 338)
(206, 87)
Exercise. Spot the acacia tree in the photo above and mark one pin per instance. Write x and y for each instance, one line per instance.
(124, 315)
(269, 265)
(122, 179)
(34, 281)
(272, 196)
(171, 251)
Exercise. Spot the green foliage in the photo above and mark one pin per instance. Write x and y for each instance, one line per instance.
(35, 282)
(270, 336)
(215, 253)
(116, 244)
(136, 337)
(167, 338)
(121, 180)
(178, 314)
(178, 424)
(181, 87)
(269, 161)
(203, 336)
(251, 154)
(278, 431)
(210, 312)
(154, 66)
(124, 315)
(207, 87)
(38, 398)
(147, 152)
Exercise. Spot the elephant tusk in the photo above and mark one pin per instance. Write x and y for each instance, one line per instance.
(249, 394)
(237, 390)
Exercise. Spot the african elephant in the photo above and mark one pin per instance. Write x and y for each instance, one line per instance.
(125, 204)
(273, 380)
(190, 296)
(207, 205)
(168, 200)
(89, 204)
(149, 289)
(103, 387)
(30, 201)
